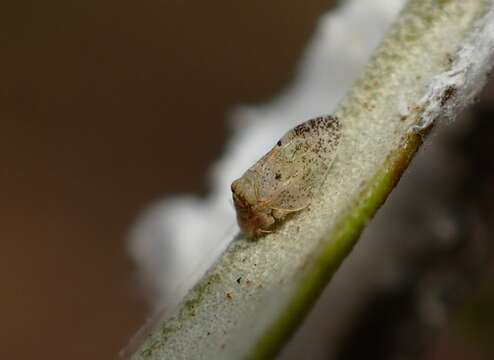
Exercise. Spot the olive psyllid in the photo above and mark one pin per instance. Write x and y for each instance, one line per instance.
(285, 179)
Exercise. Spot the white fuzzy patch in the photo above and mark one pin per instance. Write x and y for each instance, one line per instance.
(457, 87)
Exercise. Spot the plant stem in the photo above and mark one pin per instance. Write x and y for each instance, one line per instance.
(258, 292)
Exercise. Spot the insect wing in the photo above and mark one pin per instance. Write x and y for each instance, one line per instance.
(287, 176)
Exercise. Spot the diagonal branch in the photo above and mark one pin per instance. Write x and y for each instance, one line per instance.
(430, 65)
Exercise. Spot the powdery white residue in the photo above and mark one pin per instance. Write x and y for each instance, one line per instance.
(457, 87)
(177, 239)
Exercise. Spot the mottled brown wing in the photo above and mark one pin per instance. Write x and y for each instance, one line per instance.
(287, 176)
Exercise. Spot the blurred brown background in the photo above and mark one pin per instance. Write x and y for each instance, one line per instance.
(105, 107)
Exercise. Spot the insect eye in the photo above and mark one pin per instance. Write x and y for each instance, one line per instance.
(278, 143)
(234, 186)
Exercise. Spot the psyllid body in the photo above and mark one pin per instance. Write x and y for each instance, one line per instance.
(285, 180)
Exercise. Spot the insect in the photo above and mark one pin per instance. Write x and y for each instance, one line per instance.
(284, 180)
